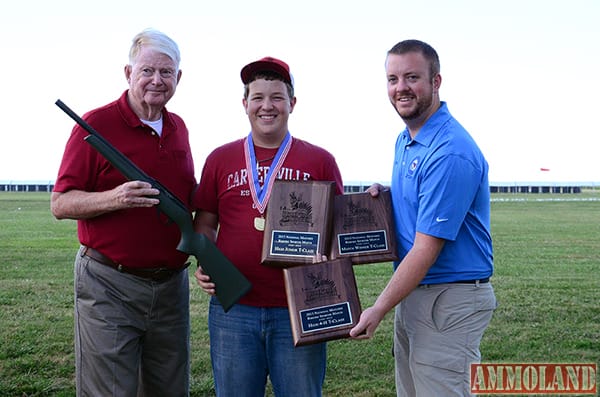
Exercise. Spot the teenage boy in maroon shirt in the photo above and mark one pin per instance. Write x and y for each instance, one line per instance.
(253, 339)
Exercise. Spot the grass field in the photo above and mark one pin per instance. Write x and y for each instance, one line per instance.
(547, 281)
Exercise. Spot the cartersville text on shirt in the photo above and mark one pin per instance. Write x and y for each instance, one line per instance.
(240, 178)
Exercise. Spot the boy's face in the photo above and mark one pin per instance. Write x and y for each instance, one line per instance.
(268, 107)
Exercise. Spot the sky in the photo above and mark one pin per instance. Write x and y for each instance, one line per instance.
(522, 76)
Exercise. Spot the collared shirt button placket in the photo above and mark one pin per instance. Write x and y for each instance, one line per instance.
(404, 153)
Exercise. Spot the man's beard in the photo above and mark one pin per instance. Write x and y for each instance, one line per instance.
(423, 105)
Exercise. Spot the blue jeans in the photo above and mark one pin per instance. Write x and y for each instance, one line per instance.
(248, 343)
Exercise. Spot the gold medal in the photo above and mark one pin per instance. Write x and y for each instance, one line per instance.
(259, 223)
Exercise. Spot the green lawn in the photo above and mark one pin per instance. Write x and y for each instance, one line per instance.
(547, 258)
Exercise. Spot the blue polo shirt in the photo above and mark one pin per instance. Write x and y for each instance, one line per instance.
(440, 188)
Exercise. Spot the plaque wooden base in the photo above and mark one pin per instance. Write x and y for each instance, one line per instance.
(323, 301)
(363, 228)
(298, 222)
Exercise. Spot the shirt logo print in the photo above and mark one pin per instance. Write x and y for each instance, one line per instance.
(413, 166)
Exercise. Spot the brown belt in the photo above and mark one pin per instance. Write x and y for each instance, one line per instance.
(155, 274)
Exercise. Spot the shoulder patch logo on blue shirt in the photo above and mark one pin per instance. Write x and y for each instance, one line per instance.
(413, 166)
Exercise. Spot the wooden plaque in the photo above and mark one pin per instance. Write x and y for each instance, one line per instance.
(323, 301)
(298, 222)
(363, 228)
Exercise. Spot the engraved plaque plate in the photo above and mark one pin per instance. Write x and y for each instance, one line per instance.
(298, 222)
(323, 301)
(363, 228)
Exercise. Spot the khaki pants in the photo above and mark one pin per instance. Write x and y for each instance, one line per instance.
(438, 329)
(131, 334)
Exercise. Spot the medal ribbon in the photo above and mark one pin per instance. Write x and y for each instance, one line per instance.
(260, 195)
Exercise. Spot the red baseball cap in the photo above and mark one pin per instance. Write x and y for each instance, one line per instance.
(267, 64)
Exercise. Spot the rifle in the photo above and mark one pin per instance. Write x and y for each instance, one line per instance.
(230, 283)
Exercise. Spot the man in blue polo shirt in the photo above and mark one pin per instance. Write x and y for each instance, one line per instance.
(440, 289)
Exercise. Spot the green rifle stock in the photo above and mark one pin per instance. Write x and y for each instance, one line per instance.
(230, 283)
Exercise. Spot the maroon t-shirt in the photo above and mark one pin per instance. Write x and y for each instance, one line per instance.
(139, 237)
(224, 190)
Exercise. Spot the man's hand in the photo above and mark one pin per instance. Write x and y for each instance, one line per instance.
(79, 204)
(204, 281)
(367, 324)
(375, 188)
(135, 194)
